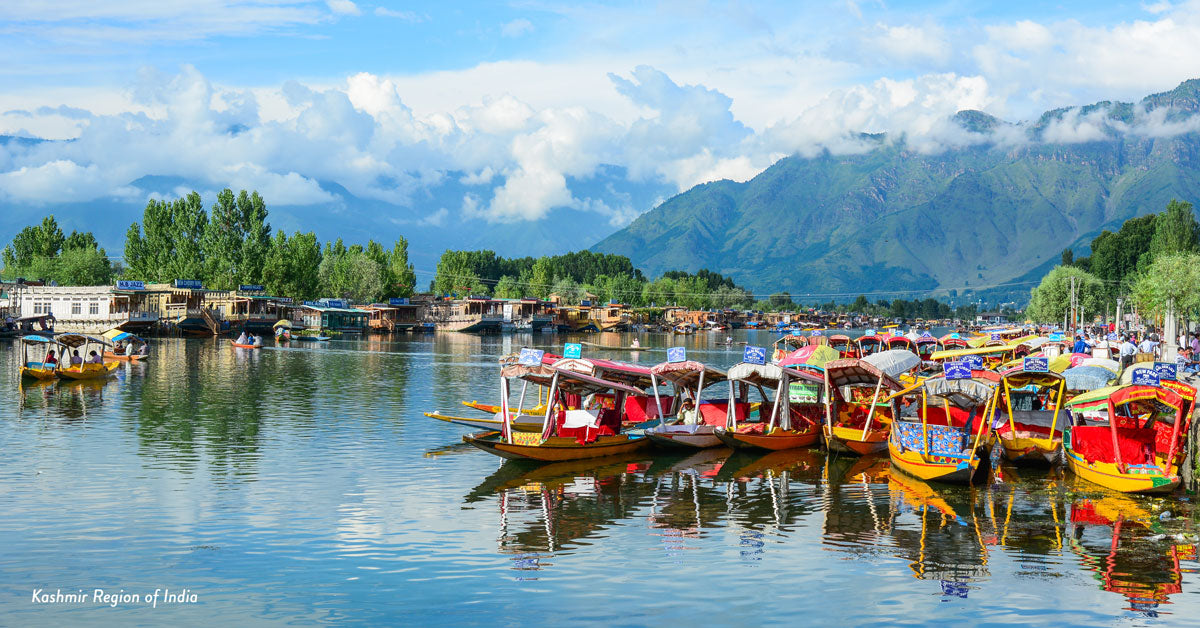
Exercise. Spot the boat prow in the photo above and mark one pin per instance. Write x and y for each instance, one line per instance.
(530, 446)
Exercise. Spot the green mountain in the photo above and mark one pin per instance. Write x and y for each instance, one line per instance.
(989, 213)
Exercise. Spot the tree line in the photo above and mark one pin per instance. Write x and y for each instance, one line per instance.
(228, 245)
(1151, 259)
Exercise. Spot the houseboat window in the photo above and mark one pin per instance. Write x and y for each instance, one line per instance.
(76, 307)
(93, 308)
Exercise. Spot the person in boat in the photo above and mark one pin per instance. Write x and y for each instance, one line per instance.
(688, 414)
(51, 360)
(94, 358)
(256, 341)
(76, 358)
(119, 348)
(241, 340)
(144, 349)
(636, 343)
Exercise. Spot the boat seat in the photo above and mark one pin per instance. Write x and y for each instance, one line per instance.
(1094, 443)
(580, 418)
(583, 425)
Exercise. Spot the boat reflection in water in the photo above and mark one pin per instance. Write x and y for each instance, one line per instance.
(1129, 551)
(68, 400)
(949, 537)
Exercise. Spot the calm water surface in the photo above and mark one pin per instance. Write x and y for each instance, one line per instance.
(303, 485)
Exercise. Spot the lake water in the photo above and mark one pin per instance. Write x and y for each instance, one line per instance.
(303, 485)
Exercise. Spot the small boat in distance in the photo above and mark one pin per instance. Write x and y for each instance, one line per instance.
(131, 351)
(87, 346)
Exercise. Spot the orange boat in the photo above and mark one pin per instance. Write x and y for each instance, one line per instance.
(793, 412)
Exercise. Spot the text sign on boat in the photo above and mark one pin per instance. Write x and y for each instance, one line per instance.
(869, 332)
(189, 284)
(957, 370)
(815, 332)
(677, 354)
(804, 392)
(398, 301)
(1037, 365)
(1165, 370)
(125, 284)
(975, 362)
(927, 335)
(754, 355)
(250, 288)
(530, 357)
(1056, 337)
(572, 350)
(1111, 337)
(995, 337)
(1145, 377)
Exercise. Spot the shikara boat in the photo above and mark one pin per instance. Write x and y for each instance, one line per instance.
(787, 345)
(926, 346)
(902, 342)
(34, 351)
(244, 346)
(943, 443)
(688, 380)
(857, 413)
(1132, 439)
(567, 434)
(871, 343)
(788, 419)
(844, 346)
(1033, 402)
(522, 419)
(133, 345)
(86, 345)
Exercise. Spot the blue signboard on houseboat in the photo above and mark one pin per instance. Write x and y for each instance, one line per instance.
(250, 288)
(1037, 365)
(398, 301)
(126, 284)
(1166, 370)
(188, 284)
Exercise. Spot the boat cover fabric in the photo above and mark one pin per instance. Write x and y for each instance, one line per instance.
(1094, 443)
(894, 362)
(943, 440)
(1088, 377)
(963, 393)
(1106, 363)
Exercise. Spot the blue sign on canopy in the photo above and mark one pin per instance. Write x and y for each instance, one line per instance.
(995, 337)
(530, 357)
(126, 284)
(677, 354)
(398, 301)
(974, 361)
(1056, 337)
(869, 332)
(796, 332)
(957, 370)
(189, 284)
(754, 355)
(816, 332)
(1111, 337)
(1145, 377)
(927, 335)
(1037, 365)
(1165, 370)
(573, 350)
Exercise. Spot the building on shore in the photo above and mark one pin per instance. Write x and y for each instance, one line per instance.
(473, 314)
(332, 314)
(397, 315)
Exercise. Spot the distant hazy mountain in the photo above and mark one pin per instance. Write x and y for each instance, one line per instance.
(1001, 206)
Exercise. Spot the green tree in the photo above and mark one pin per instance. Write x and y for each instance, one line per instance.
(400, 270)
(1175, 230)
(508, 288)
(860, 305)
(780, 300)
(541, 278)
(1050, 300)
(83, 266)
(1171, 276)
(222, 243)
(256, 243)
(1068, 257)
(186, 223)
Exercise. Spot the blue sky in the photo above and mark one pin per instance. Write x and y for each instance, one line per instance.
(524, 103)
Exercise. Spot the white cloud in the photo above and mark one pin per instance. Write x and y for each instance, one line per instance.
(516, 28)
(407, 16)
(343, 7)
(436, 219)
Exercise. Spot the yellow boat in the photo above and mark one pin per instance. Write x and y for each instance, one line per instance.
(858, 411)
(35, 350)
(91, 348)
(1033, 401)
(1136, 452)
(945, 442)
(566, 434)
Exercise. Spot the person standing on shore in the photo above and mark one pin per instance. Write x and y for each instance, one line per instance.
(1149, 344)
(1128, 350)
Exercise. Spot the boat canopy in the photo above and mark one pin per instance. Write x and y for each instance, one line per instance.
(951, 354)
(1019, 378)
(1127, 375)
(1111, 365)
(812, 355)
(1068, 360)
(853, 371)
(78, 340)
(764, 374)
(894, 362)
(116, 335)
(569, 381)
(962, 393)
(35, 339)
(611, 370)
(1121, 395)
(286, 324)
(687, 373)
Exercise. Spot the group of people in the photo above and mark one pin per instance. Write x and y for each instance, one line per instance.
(1129, 347)
(121, 347)
(51, 359)
(249, 339)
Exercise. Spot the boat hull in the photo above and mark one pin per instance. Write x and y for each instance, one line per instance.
(702, 439)
(1031, 451)
(88, 371)
(557, 448)
(948, 469)
(849, 440)
(1107, 474)
(777, 440)
(31, 372)
(109, 355)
